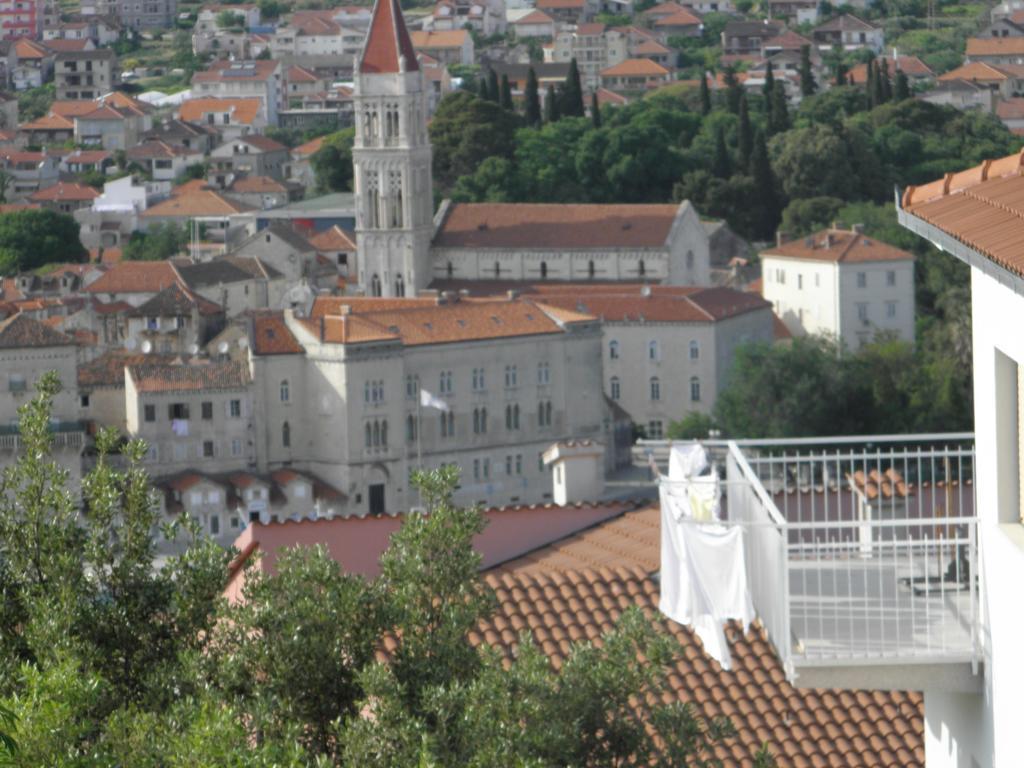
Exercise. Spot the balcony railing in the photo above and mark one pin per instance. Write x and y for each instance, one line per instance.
(859, 550)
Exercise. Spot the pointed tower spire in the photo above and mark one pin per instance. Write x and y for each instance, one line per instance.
(388, 49)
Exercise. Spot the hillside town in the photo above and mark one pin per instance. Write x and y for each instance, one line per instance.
(318, 323)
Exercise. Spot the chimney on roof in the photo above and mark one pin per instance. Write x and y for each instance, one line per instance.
(858, 229)
(781, 238)
(512, 294)
(345, 309)
(449, 297)
(645, 291)
(828, 239)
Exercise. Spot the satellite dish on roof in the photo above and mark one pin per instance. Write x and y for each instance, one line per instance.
(147, 347)
(131, 344)
(193, 349)
(222, 348)
(243, 342)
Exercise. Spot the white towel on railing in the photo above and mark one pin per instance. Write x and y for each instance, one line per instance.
(686, 460)
(703, 574)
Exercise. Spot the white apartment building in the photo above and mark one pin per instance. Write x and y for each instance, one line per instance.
(973, 215)
(261, 79)
(595, 48)
(841, 283)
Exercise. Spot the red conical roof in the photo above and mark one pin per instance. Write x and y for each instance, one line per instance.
(387, 41)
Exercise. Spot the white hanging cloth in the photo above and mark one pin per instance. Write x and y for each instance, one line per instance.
(703, 570)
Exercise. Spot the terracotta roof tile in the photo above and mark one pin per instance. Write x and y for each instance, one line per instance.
(1010, 109)
(176, 300)
(540, 226)
(333, 239)
(189, 377)
(981, 207)
(912, 66)
(683, 18)
(235, 71)
(635, 68)
(257, 184)
(242, 110)
(71, 108)
(272, 336)
(578, 586)
(976, 71)
(534, 17)
(387, 47)
(995, 46)
(448, 38)
(22, 331)
(206, 202)
(49, 122)
(839, 246)
(135, 277)
(309, 148)
(65, 191)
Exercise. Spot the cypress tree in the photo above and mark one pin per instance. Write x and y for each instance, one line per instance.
(871, 84)
(506, 94)
(720, 165)
(532, 98)
(779, 117)
(884, 82)
(767, 206)
(551, 112)
(744, 138)
(901, 90)
(769, 85)
(595, 110)
(840, 73)
(572, 96)
(493, 91)
(482, 88)
(807, 84)
(733, 90)
(705, 94)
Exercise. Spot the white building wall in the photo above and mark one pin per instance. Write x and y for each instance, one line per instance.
(804, 293)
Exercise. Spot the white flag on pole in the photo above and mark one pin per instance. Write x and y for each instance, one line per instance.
(428, 400)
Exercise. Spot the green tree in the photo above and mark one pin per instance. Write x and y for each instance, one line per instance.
(159, 242)
(778, 118)
(841, 73)
(693, 426)
(532, 99)
(807, 84)
(884, 83)
(721, 164)
(32, 238)
(744, 138)
(228, 19)
(332, 163)
(705, 94)
(796, 157)
(595, 110)
(34, 103)
(768, 89)
(552, 112)
(506, 94)
(809, 214)
(733, 89)
(767, 209)
(901, 88)
(493, 87)
(572, 95)
(464, 131)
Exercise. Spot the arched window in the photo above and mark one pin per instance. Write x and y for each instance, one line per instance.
(694, 350)
(515, 416)
(410, 428)
(543, 270)
(286, 435)
(547, 413)
(508, 417)
(655, 388)
(695, 389)
(375, 285)
(285, 391)
(384, 433)
(613, 349)
(376, 434)
(476, 421)
(483, 421)
(369, 435)
(653, 352)
(399, 286)
(590, 269)
(641, 269)
(616, 388)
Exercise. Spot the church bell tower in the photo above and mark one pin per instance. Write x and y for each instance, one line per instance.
(391, 160)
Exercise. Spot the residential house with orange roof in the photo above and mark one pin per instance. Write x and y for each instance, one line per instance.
(264, 192)
(569, 11)
(453, 46)
(85, 74)
(116, 121)
(252, 155)
(316, 35)
(997, 51)
(65, 197)
(841, 283)
(533, 24)
(634, 75)
(175, 321)
(917, 71)
(683, 23)
(339, 246)
(48, 129)
(230, 117)
(133, 282)
(200, 207)
(259, 79)
(849, 32)
(1004, 81)
(185, 134)
(487, 17)
(33, 64)
(29, 172)
(747, 37)
(163, 161)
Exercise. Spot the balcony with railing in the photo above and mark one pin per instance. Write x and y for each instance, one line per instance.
(861, 554)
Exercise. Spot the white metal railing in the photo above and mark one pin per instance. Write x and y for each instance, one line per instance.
(860, 548)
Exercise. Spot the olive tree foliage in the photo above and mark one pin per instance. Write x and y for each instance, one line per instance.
(111, 659)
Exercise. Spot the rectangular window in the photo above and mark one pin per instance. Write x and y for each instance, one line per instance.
(149, 412)
(207, 410)
(862, 312)
(800, 282)
(890, 277)
(235, 409)
(84, 401)
(214, 525)
(177, 411)
(862, 279)
(890, 309)
(207, 449)
(654, 430)
(236, 447)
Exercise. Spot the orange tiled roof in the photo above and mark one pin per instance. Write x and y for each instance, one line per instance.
(205, 202)
(272, 336)
(255, 70)
(49, 122)
(977, 71)
(448, 38)
(388, 47)
(29, 49)
(909, 65)
(840, 246)
(243, 110)
(1010, 109)
(534, 17)
(648, 48)
(802, 727)
(981, 207)
(995, 46)
(560, 4)
(664, 9)
(72, 108)
(683, 18)
(22, 331)
(65, 191)
(189, 377)
(309, 148)
(135, 277)
(541, 226)
(699, 306)
(257, 184)
(635, 68)
(333, 239)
